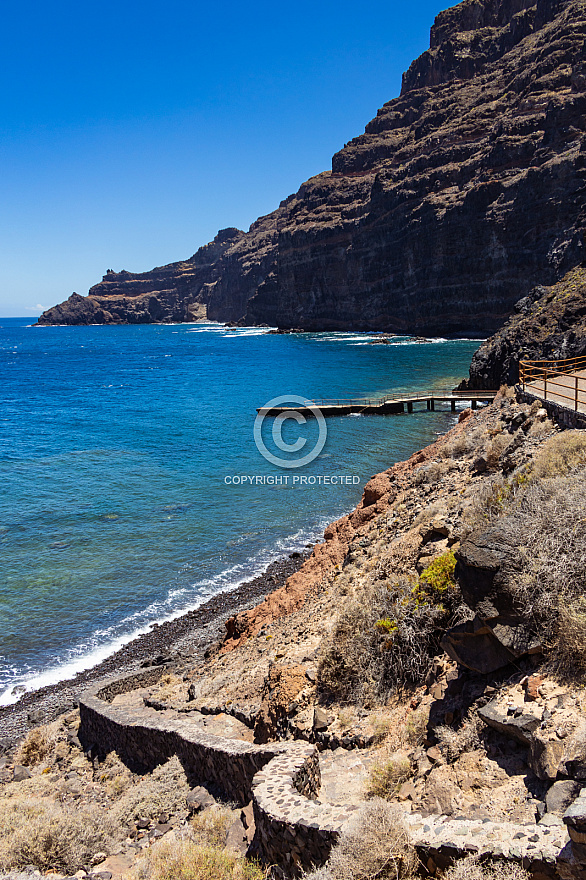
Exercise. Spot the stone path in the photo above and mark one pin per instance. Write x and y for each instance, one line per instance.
(132, 703)
(343, 775)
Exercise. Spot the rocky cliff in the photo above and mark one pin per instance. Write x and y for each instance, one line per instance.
(547, 323)
(461, 195)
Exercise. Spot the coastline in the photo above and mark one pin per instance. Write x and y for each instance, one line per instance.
(185, 638)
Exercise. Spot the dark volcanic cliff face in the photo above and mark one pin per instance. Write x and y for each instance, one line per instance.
(548, 323)
(462, 194)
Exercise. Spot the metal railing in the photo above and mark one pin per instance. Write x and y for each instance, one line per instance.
(554, 379)
(398, 396)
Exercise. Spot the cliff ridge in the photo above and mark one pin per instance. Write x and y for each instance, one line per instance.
(463, 194)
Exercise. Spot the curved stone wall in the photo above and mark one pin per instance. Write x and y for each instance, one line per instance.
(228, 764)
(293, 829)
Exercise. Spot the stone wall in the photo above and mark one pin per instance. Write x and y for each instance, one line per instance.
(294, 831)
(562, 415)
(227, 764)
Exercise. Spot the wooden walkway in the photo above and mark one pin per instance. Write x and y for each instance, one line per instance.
(388, 405)
(561, 381)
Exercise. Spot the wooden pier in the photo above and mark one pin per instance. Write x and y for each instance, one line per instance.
(388, 405)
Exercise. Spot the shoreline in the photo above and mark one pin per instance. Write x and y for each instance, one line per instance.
(185, 638)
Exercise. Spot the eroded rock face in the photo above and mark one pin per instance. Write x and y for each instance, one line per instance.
(461, 195)
(554, 729)
(498, 634)
(548, 323)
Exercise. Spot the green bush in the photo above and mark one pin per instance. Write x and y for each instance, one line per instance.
(438, 578)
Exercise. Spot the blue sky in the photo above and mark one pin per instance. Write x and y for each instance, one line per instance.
(131, 132)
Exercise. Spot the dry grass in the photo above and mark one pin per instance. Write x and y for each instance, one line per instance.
(376, 845)
(559, 455)
(162, 791)
(35, 747)
(210, 827)
(387, 775)
(48, 835)
(184, 859)
(472, 868)
(454, 743)
(169, 688)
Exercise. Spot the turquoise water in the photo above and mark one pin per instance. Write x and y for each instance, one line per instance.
(118, 449)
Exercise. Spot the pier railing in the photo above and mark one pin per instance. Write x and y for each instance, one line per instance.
(562, 381)
(398, 396)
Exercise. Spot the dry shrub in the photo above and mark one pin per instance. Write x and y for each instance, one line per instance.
(508, 392)
(468, 441)
(458, 447)
(454, 743)
(347, 717)
(162, 791)
(48, 835)
(210, 827)
(416, 725)
(472, 868)
(495, 449)
(115, 775)
(559, 455)
(544, 579)
(541, 428)
(549, 528)
(569, 648)
(34, 748)
(432, 472)
(363, 661)
(387, 775)
(375, 844)
(184, 859)
(493, 498)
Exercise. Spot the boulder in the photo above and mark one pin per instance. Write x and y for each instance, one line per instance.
(498, 634)
(198, 799)
(236, 837)
(559, 746)
(561, 795)
(321, 719)
(21, 773)
(474, 645)
(519, 727)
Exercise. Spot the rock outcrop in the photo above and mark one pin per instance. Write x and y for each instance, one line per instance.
(461, 195)
(498, 634)
(548, 323)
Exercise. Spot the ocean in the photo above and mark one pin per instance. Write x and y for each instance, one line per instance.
(132, 488)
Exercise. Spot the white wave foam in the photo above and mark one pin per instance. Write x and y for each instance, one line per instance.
(105, 642)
